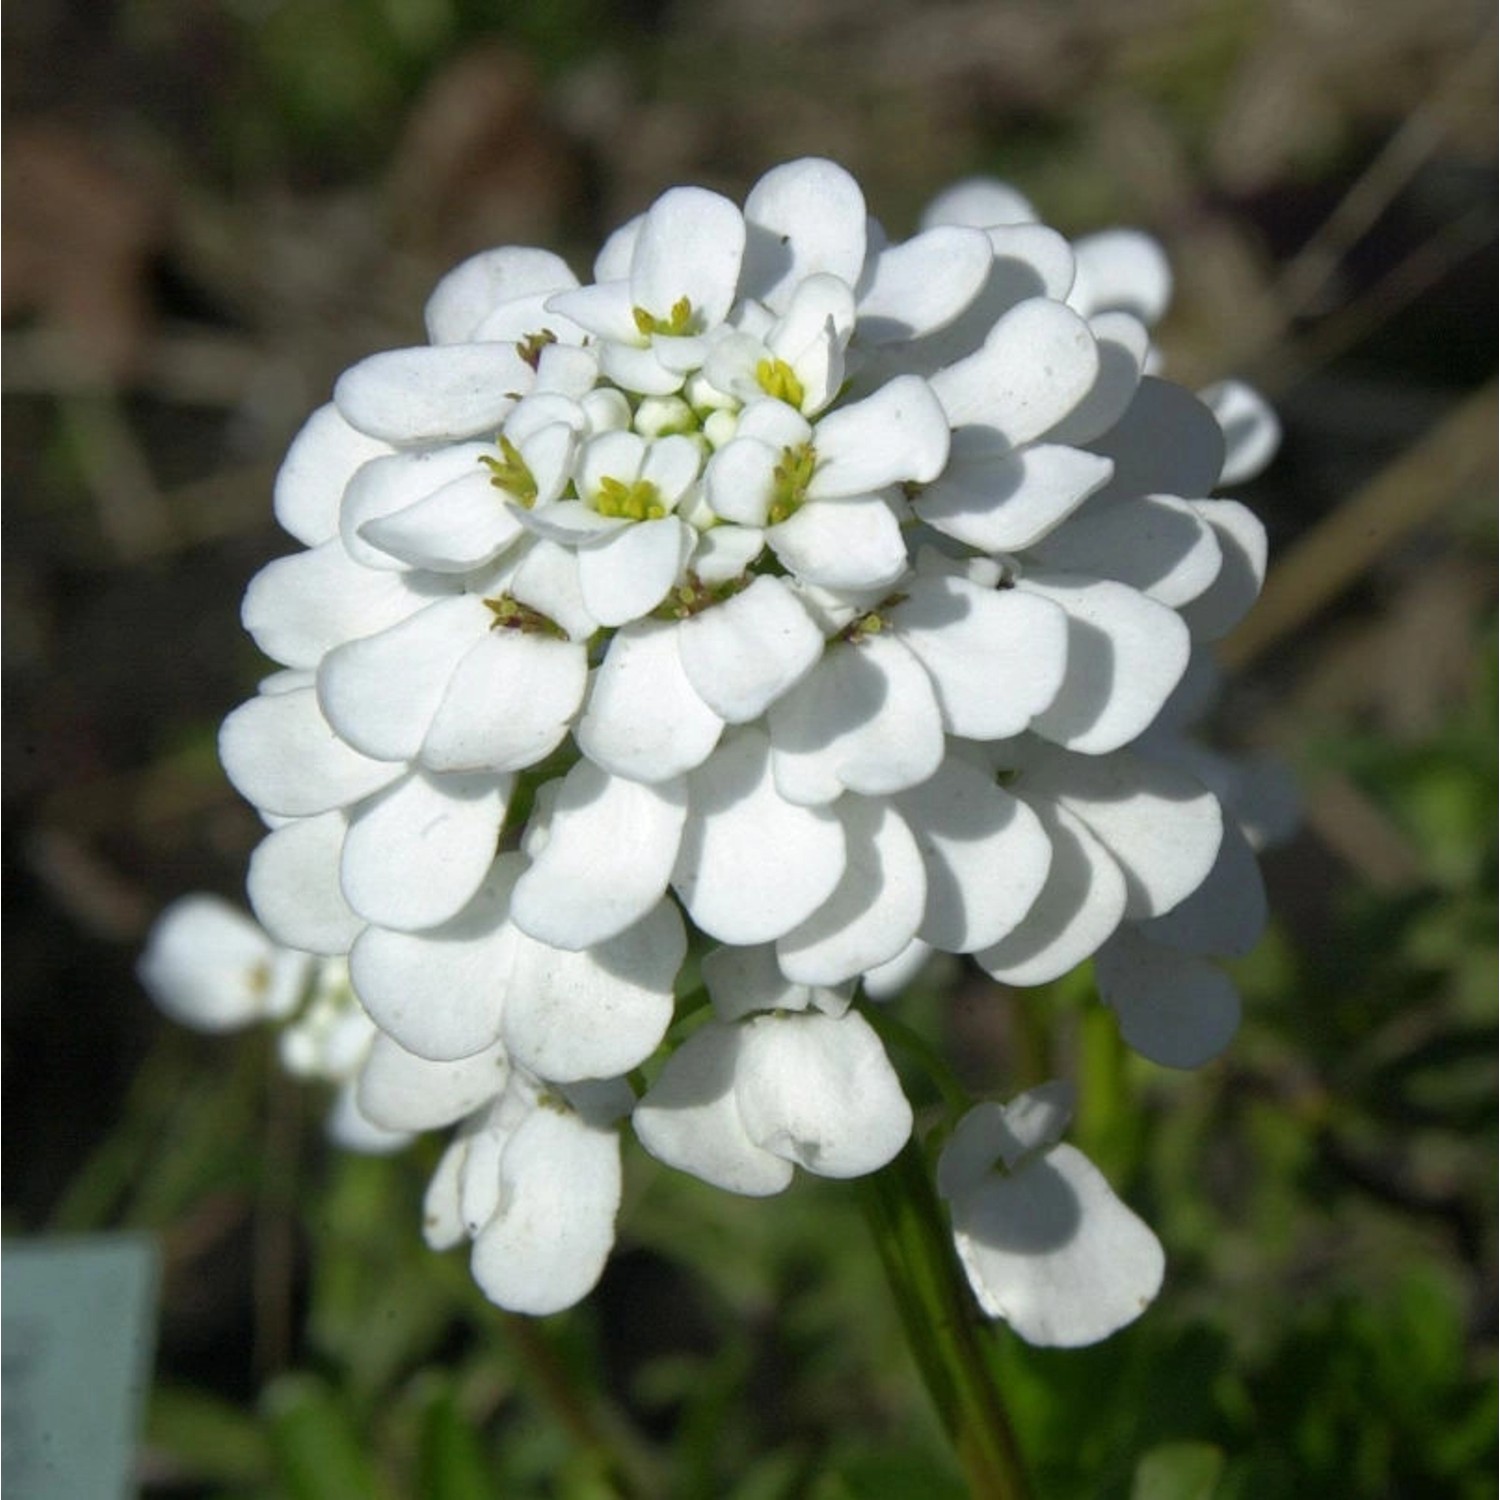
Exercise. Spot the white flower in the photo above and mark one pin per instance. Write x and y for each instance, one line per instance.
(1046, 1244)
(208, 965)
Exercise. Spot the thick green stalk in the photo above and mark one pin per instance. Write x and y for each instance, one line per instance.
(916, 1249)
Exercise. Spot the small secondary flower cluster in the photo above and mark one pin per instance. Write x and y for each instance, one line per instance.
(833, 599)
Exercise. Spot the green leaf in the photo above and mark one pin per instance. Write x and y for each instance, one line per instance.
(318, 1455)
(1178, 1471)
(214, 1441)
(453, 1464)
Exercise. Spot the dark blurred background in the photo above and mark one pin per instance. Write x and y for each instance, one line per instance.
(211, 207)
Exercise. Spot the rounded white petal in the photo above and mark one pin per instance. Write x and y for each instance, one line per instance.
(282, 755)
(1124, 348)
(743, 654)
(1155, 543)
(298, 608)
(508, 703)
(819, 1091)
(1226, 914)
(899, 433)
(1038, 362)
(1055, 1253)
(985, 852)
(1121, 270)
(458, 527)
(643, 719)
(559, 1193)
(1167, 443)
(1252, 431)
(348, 1128)
(874, 911)
(1125, 655)
(752, 866)
(628, 575)
(433, 393)
(380, 693)
(390, 485)
(690, 246)
(1174, 1008)
(991, 1132)
(1157, 822)
(924, 283)
(321, 461)
(417, 852)
(980, 202)
(743, 980)
(1242, 545)
(1002, 501)
(996, 657)
(723, 553)
(401, 1091)
(865, 719)
(474, 288)
(440, 993)
(888, 979)
(610, 848)
(1081, 905)
(802, 218)
(690, 1119)
(598, 1013)
(294, 889)
(208, 965)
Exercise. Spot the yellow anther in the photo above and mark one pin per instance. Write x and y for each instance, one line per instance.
(530, 348)
(640, 500)
(778, 379)
(511, 614)
(510, 473)
(677, 323)
(790, 480)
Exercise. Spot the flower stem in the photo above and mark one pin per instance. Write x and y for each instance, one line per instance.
(927, 1282)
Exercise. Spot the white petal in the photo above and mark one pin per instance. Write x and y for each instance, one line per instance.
(1008, 1133)
(598, 1013)
(417, 852)
(281, 753)
(865, 719)
(740, 480)
(724, 553)
(996, 657)
(672, 463)
(752, 866)
(743, 654)
(1037, 364)
(820, 1092)
(610, 847)
(508, 704)
(889, 979)
(1242, 545)
(689, 246)
(560, 1190)
(1080, 906)
(978, 201)
(310, 483)
(1154, 543)
(1167, 443)
(802, 218)
(1124, 348)
(924, 283)
(547, 581)
(388, 485)
(1157, 822)
(690, 1119)
(1122, 270)
(899, 433)
(1252, 432)
(401, 1091)
(440, 993)
(985, 852)
(433, 394)
(743, 980)
(1002, 501)
(208, 965)
(639, 370)
(842, 544)
(603, 308)
(299, 607)
(1226, 914)
(1175, 1008)
(628, 575)
(380, 693)
(643, 718)
(460, 526)
(1125, 655)
(472, 290)
(442, 1222)
(874, 910)
(1055, 1253)
(293, 885)
(348, 1128)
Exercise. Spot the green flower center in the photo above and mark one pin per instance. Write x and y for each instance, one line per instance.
(640, 500)
(677, 324)
(790, 480)
(510, 473)
(777, 378)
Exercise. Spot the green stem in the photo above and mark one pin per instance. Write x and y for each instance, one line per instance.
(927, 1282)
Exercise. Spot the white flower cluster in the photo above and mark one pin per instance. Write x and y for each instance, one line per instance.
(824, 596)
